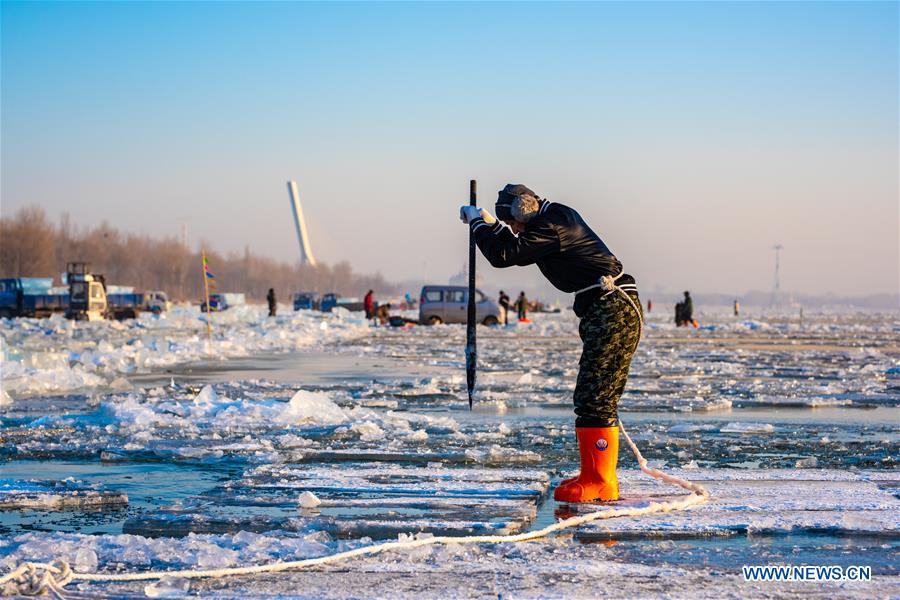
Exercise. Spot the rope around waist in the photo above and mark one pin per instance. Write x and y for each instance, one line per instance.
(608, 284)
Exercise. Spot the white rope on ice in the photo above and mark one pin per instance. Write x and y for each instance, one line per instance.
(32, 578)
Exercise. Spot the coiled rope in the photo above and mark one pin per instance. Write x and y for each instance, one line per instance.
(33, 578)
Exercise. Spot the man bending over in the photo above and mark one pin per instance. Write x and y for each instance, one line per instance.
(575, 260)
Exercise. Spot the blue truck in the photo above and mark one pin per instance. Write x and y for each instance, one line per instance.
(306, 301)
(332, 300)
(124, 306)
(30, 297)
(223, 301)
(85, 298)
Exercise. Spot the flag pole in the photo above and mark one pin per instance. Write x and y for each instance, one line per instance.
(208, 313)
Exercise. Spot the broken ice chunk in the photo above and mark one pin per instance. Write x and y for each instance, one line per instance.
(85, 560)
(312, 407)
(168, 587)
(207, 395)
(748, 428)
(309, 500)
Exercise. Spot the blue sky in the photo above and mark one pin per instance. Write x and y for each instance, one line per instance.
(692, 136)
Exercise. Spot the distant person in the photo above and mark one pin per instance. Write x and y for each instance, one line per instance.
(649, 305)
(679, 314)
(737, 308)
(687, 310)
(504, 306)
(383, 313)
(369, 304)
(409, 301)
(273, 305)
(522, 306)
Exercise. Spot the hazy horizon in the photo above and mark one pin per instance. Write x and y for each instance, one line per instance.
(692, 137)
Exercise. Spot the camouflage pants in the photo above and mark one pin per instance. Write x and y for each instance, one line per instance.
(610, 331)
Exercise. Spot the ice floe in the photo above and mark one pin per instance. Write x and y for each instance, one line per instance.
(67, 494)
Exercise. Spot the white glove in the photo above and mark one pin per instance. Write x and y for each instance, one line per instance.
(467, 214)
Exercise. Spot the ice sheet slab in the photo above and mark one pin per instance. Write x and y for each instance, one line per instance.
(390, 479)
(758, 502)
(359, 500)
(488, 456)
(18, 494)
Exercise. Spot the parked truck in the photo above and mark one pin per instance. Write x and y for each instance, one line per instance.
(30, 297)
(84, 299)
(332, 300)
(157, 301)
(223, 301)
(87, 293)
(125, 298)
(306, 301)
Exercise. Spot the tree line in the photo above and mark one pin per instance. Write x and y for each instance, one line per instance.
(32, 246)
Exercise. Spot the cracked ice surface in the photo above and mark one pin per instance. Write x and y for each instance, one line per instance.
(829, 360)
(791, 428)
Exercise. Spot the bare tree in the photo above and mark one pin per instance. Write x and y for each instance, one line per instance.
(30, 246)
(27, 244)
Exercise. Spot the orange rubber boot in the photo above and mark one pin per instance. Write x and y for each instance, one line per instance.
(599, 450)
(568, 480)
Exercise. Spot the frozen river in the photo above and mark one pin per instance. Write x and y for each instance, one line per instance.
(125, 447)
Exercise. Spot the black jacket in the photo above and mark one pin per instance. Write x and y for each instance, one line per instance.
(557, 240)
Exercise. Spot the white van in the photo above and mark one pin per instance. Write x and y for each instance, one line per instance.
(449, 304)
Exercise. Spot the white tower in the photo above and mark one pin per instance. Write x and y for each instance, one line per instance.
(306, 255)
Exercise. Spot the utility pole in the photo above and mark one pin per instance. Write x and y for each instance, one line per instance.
(776, 290)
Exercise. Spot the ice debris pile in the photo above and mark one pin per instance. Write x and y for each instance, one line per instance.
(56, 355)
(257, 424)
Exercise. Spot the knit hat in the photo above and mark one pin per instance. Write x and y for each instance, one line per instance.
(508, 195)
